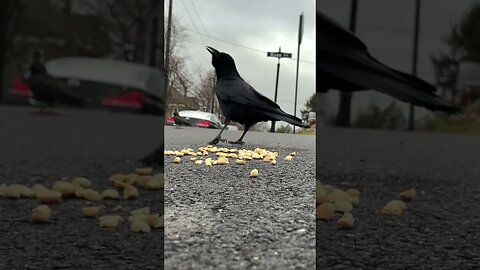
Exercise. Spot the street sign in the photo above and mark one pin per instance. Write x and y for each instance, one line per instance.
(279, 54)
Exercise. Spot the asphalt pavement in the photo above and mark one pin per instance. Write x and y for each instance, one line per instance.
(217, 217)
(439, 229)
(95, 144)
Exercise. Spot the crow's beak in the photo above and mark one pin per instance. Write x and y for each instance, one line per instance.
(213, 51)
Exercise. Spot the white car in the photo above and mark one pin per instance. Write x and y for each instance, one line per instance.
(198, 119)
(232, 127)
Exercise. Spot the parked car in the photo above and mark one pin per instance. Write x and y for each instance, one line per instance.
(111, 84)
(198, 119)
(232, 127)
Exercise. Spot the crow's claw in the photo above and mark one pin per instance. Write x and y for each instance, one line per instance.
(223, 140)
(214, 141)
(236, 142)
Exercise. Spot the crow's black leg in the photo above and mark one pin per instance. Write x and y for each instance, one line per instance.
(218, 137)
(156, 157)
(239, 141)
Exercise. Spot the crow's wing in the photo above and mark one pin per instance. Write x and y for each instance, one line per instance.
(241, 93)
(344, 63)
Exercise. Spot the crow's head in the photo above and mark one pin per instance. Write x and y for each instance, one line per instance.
(223, 63)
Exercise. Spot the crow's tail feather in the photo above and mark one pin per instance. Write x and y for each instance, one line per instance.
(283, 116)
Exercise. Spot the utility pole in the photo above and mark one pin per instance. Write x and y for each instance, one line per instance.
(411, 117)
(300, 36)
(154, 32)
(279, 55)
(167, 53)
(344, 110)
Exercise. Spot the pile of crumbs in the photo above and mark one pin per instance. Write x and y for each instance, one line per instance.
(211, 155)
(331, 200)
(125, 187)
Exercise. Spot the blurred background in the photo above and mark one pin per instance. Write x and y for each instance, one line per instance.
(448, 57)
(105, 52)
(109, 53)
(247, 30)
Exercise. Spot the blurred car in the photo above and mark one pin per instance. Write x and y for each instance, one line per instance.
(111, 84)
(232, 127)
(198, 119)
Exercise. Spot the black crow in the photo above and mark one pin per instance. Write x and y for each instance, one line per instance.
(47, 90)
(239, 101)
(179, 121)
(155, 157)
(344, 63)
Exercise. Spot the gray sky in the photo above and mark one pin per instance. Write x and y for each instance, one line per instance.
(386, 27)
(261, 25)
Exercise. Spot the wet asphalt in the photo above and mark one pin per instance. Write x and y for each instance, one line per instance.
(45, 148)
(439, 229)
(219, 218)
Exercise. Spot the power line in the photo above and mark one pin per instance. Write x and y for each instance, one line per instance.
(239, 45)
(201, 22)
(226, 41)
(195, 26)
(191, 20)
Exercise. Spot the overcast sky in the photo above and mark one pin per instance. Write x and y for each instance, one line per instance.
(262, 26)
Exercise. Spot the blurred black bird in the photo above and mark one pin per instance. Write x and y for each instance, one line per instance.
(179, 121)
(48, 90)
(239, 101)
(344, 63)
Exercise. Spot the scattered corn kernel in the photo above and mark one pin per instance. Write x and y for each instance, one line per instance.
(392, 209)
(110, 194)
(139, 226)
(110, 221)
(346, 221)
(130, 192)
(408, 195)
(41, 213)
(48, 196)
(66, 188)
(342, 206)
(91, 211)
(325, 211)
(81, 181)
(141, 211)
(240, 161)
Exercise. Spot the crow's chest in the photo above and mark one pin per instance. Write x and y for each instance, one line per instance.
(239, 113)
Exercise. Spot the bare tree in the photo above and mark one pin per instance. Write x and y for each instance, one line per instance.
(180, 79)
(129, 22)
(205, 93)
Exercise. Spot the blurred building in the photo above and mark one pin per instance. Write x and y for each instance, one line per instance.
(181, 102)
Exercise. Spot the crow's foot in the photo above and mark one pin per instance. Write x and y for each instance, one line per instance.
(154, 158)
(216, 140)
(236, 142)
